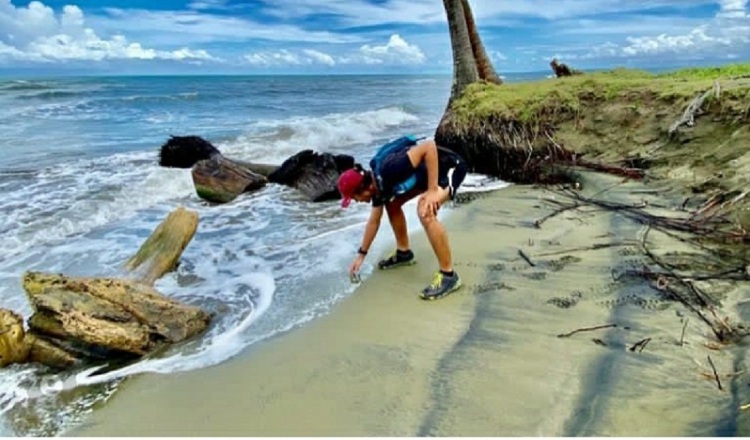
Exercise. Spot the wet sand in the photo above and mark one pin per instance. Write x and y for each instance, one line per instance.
(485, 361)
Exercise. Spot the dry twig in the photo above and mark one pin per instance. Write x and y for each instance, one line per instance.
(716, 375)
(526, 258)
(640, 345)
(587, 329)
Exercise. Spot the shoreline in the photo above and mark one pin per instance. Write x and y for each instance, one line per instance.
(486, 360)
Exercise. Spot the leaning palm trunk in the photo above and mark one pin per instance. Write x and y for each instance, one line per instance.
(484, 66)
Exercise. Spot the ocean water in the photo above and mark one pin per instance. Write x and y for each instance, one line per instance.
(81, 190)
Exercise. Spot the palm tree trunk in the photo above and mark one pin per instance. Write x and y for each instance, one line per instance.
(484, 64)
(465, 69)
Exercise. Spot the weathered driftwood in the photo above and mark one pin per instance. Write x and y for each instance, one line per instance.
(13, 346)
(79, 320)
(107, 316)
(562, 69)
(221, 180)
(160, 253)
(688, 117)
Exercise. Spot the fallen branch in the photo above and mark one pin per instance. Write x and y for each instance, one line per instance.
(682, 336)
(525, 257)
(688, 117)
(631, 173)
(725, 375)
(706, 227)
(737, 274)
(664, 287)
(587, 329)
(593, 247)
(716, 375)
(640, 344)
(538, 223)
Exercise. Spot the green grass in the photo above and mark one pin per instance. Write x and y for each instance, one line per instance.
(528, 101)
(710, 73)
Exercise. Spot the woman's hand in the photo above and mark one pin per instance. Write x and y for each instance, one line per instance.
(356, 264)
(430, 202)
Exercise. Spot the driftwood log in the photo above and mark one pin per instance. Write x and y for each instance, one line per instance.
(694, 108)
(220, 179)
(81, 320)
(562, 69)
(315, 174)
(160, 253)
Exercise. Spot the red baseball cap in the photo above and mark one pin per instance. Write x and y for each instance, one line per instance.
(349, 182)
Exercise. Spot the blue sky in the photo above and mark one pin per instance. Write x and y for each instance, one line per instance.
(361, 36)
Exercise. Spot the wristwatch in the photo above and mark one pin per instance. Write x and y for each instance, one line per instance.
(361, 251)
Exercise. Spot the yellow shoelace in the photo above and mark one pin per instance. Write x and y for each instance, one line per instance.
(437, 281)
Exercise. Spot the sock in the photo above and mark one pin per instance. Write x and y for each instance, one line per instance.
(405, 253)
(448, 274)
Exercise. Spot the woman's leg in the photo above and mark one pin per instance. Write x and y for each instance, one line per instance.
(397, 220)
(436, 232)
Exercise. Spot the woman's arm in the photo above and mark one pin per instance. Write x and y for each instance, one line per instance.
(426, 152)
(371, 230)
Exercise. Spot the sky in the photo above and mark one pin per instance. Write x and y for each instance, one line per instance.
(360, 36)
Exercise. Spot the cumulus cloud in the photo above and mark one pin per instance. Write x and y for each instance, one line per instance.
(282, 57)
(35, 33)
(728, 32)
(396, 51)
(697, 39)
(733, 9)
(285, 57)
(320, 57)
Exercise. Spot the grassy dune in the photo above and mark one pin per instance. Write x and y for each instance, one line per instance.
(624, 116)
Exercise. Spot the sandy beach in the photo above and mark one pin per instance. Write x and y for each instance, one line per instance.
(485, 361)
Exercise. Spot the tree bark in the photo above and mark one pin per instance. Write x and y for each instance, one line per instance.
(221, 180)
(484, 65)
(465, 69)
